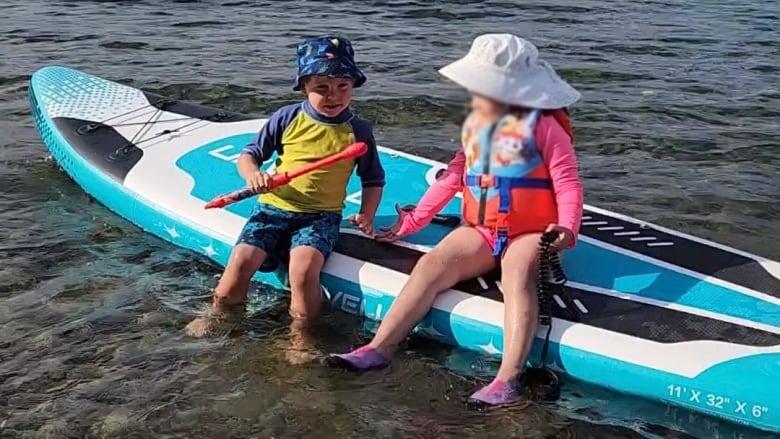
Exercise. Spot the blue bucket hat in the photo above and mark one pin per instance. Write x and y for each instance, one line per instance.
(327, 56)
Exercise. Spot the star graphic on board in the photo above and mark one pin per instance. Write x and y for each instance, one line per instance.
(172, 231)
(209, 250)
(490, 348)
(429, 329)
(355, 198)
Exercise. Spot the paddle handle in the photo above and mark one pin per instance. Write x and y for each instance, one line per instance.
(354, 150)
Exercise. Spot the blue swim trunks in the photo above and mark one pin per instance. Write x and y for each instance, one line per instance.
(277, 231)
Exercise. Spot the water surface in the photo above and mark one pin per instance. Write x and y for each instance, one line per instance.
(679, 125)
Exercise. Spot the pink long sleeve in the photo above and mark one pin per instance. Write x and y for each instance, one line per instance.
(558, 154)
(436, 197)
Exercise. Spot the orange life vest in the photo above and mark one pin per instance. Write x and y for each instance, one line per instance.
(507, 186)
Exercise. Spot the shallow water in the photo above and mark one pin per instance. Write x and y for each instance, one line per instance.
(679, 125)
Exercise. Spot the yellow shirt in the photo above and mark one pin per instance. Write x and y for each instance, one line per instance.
(299, 136)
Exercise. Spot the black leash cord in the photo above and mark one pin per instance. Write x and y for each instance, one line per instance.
(550, 281)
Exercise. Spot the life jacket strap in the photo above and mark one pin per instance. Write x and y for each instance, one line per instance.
(501, 241)
(494, 181)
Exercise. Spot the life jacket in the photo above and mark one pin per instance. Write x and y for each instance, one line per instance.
(506, 185)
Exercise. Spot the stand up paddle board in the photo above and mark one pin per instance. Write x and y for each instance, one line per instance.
(650, 311)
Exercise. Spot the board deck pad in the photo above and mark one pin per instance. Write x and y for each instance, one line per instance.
(648, 311)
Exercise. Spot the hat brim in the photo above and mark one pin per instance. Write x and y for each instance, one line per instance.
(331, 68)
(540, 88)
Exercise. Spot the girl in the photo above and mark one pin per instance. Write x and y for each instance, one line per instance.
(518, 176)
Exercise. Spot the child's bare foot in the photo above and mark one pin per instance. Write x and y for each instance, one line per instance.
(221, 312)
(301, 349)
(296, 357)
(200, 327)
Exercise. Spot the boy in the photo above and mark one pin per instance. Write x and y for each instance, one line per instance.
(300, 221)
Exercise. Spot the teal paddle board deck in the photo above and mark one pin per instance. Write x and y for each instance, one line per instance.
(651, 311)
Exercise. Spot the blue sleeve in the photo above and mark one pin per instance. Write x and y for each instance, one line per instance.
(269, 139)
(369, 168)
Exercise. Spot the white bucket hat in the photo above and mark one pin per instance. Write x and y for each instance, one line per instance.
(507, 68)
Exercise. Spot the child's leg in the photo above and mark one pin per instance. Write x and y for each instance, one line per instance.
(233, 286)
(521, 310)
(306, 263)
(260, 235)
(305, 302)
(312, 241)
(519, 268)
(463, 254)
(311, 244)
(231, 291)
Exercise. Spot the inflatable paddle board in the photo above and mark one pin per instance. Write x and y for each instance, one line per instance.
(650, 311)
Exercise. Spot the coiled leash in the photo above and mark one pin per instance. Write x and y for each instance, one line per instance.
(550, 281)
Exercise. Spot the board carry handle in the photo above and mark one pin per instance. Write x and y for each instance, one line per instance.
(352, 151)
(439, 218)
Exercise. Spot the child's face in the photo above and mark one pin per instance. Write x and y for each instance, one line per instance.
(329, 96)
(487, 108)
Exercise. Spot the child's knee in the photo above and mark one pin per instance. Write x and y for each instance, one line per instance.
(437, 263)
(304, 275)
(234, 283)
(245, 260)
(305, 264)
(304, 278)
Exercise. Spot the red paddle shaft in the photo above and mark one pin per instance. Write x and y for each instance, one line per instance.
(354, 150)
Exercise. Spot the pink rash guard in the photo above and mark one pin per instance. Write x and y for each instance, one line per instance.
(557, 152)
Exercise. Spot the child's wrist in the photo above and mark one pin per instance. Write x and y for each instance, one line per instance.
(368, 216)
(409, 223)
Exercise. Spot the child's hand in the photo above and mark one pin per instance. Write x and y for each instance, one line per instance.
(363, 222)
(259, 182)
(565, 237)
(394, 232)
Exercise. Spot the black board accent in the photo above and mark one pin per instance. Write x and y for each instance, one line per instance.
(100, 145)
(681, 251)
(606, 312)
(112, 153)
(193, 110)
